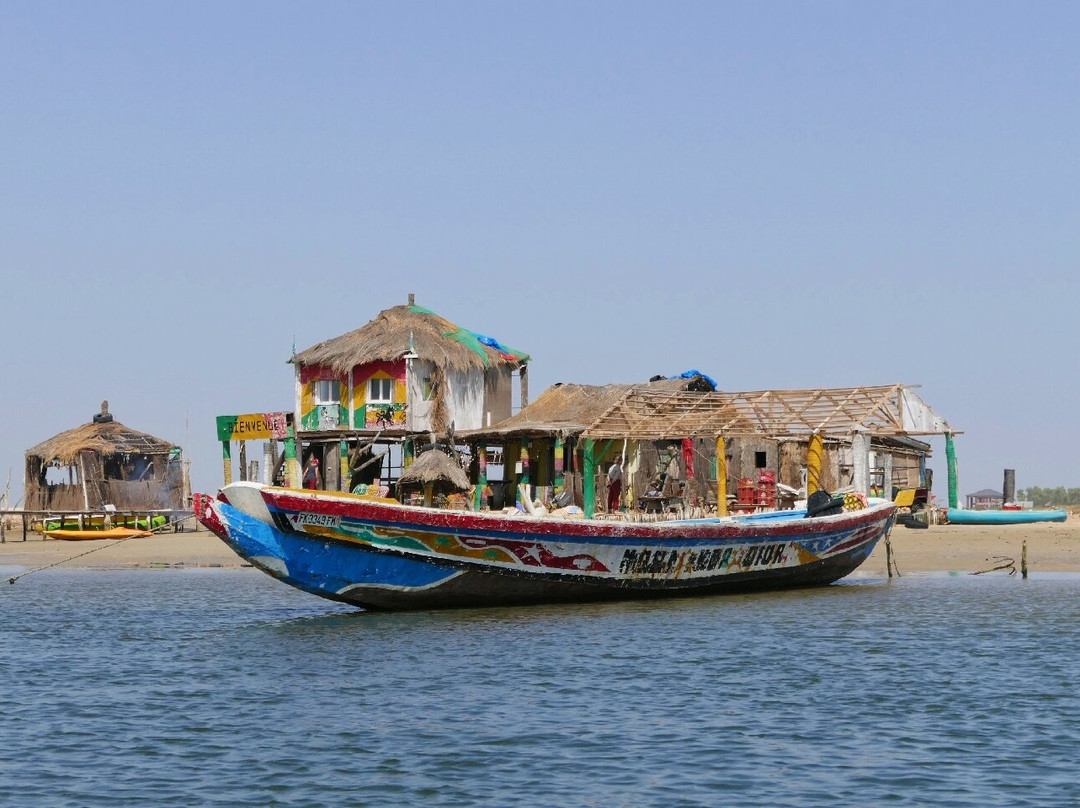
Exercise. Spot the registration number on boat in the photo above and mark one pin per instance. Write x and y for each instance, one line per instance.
(317, 519)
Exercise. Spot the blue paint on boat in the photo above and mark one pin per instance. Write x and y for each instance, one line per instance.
(323, 567)
(958, 516)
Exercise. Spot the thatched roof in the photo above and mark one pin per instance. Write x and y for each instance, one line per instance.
(569, 409)
(110, 437)
(673, 408)
(395, 331)
(434, 466)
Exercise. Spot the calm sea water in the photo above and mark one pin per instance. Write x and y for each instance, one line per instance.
(224, 687)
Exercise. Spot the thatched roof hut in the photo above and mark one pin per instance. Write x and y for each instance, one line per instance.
(103, 462)
(435, 467)
(570, 409)
(111, 437)
(401, 329)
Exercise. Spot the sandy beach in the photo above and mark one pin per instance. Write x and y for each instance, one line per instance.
(1051, 547)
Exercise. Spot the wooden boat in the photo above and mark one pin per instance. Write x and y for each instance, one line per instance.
(90, 535)
(380, 556)
(957, 516)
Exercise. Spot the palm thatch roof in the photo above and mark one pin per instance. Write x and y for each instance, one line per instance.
(570, 409)
(434, 466)
(674, 408)
(110, 437)
(398, 330)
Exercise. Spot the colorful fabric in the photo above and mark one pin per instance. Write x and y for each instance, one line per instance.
(855, 502)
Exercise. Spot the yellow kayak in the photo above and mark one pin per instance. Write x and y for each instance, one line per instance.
(88, 535)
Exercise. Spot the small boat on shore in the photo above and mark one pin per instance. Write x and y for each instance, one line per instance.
(957, 516)
(386, 556)
(92, 535)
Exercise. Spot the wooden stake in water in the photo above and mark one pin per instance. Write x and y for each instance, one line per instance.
(888, 556)
(1023, 560)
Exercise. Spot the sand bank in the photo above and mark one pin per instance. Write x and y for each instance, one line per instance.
(192, 548)
(1052, 547)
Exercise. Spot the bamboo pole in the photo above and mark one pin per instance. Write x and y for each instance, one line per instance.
(721, 477)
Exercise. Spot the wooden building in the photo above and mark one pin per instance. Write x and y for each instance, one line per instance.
(985, 499)
(361, 396)
(669, 432)
(104, 463)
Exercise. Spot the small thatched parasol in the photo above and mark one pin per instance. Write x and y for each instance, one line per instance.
(435, 467)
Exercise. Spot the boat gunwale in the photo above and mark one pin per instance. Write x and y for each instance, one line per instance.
(406, 516)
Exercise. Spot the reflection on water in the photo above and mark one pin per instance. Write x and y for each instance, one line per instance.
(224, 687)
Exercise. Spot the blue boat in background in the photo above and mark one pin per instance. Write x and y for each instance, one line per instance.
(958, 516)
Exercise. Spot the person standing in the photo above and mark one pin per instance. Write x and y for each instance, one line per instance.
(312, 478)
(615, 477)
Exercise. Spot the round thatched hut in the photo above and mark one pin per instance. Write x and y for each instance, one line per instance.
(434, 474)
(104, 463)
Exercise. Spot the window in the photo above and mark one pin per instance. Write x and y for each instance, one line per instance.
(380, 391)
(759, 460)
(327, 391)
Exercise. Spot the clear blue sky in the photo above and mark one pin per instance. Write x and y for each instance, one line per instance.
(782, 195)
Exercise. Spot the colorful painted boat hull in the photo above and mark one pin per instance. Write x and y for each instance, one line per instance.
(957, 516)
(382, 556)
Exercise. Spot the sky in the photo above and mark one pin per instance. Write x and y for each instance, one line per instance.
(782, 195)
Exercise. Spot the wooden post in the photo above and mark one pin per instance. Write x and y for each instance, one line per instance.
(559, 478)
(860, 459)
(1023, 560)
(511, 454)
(814, 452)
(243, 461)
(888, 556)
(523, 480)
(588, 481)
(268, 463)
(226, 460)
(292, 468)
(481, 478)
(344, 462)
(721, 476)
(428, 491)
(523, 378)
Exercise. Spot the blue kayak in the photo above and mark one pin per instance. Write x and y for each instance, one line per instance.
(957, 516)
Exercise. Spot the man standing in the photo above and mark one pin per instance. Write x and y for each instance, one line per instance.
(614, 492)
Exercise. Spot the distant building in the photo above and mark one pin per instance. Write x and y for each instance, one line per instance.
(104, 463)
(987, 499)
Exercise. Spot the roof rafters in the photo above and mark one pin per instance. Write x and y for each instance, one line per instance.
(877, 410)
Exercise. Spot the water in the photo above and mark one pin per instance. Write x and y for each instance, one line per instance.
(224, 687)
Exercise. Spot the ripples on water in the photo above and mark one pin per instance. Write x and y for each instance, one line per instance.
(227, 688)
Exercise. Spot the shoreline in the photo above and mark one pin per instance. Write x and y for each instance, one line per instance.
(1051, 547)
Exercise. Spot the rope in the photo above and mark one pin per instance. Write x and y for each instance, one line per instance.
(1003, 563)
(14, 578)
